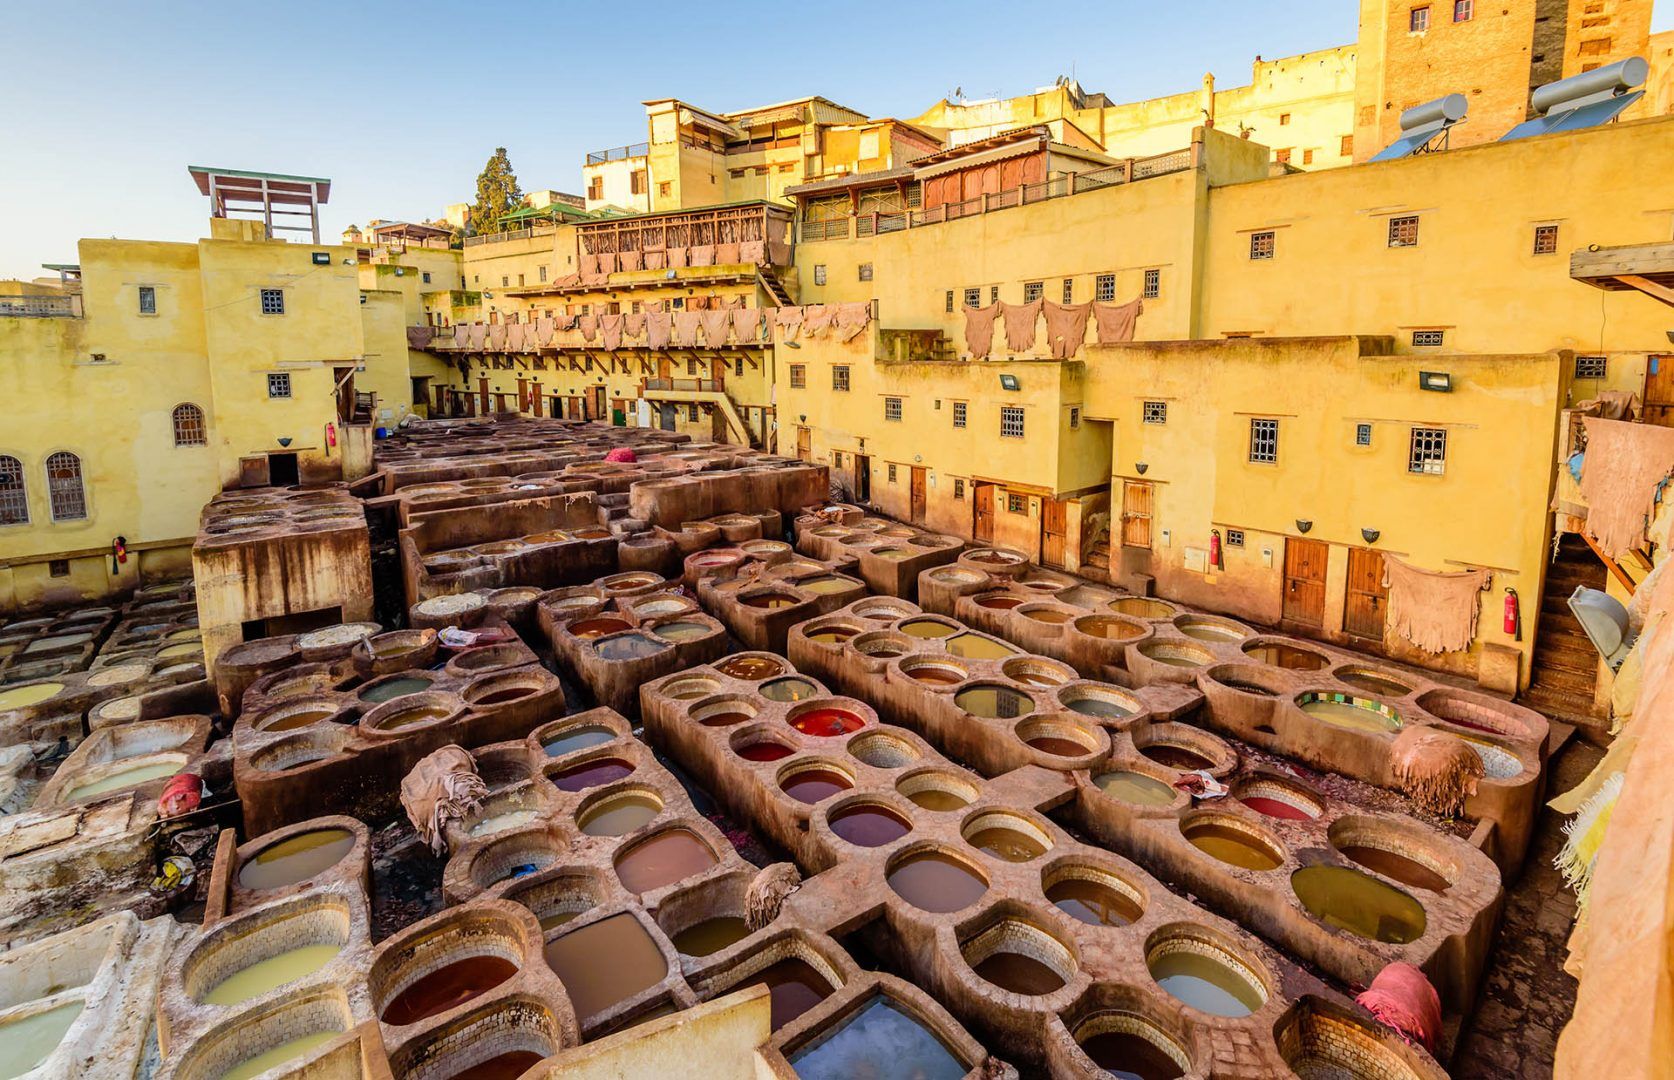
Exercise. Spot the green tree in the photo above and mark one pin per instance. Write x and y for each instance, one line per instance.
(497, 193)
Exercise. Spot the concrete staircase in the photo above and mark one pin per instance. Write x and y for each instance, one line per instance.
(1565, 666)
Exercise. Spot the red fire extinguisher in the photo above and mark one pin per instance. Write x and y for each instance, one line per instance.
(331, 434)
(1513, 617)
(1215, 548)
(118, 553)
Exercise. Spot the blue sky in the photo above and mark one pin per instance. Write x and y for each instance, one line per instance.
(400, 104)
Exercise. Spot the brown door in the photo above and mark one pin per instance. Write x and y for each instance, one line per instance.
(862, 485)
(983, 499)
(1366, 599)
(598, 403)
(804, 443)
(345, 393)
(918, 496)
(482, 388)
(1659, 391)
(1054, 529)
(1136, 514)
(1305, 581)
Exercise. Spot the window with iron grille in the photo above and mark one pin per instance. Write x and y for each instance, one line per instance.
(279, 385)
(865, 271)
(1264, 441)
(1011, 421)
(505, 280)
(1017, 504)
(993, 293)
(1403, 231)
(836, 459)
(973, 297)
(1418, 19)
(1363, 434)
(1104, 287)
(892, 472)
(14, 495)
(1075, 417)
(188, 425)
(1261, 245)
(1235, 538)
(1428, 339)
(427, 276)
(1154, 412)
(1545, 239)
(1463, 10)
(1032, 291)
(958, 488)
(64, 487)
(1429, 451)
(959, 413)
(541, 270)
(892, 408)
(840, 377)
(1153, 285)
(273, 301)
(950, 301)
(58, 567)
(1308, 156)
(819, 273)
(147, 300)
(1346, 146)
(799, 376)
(691, 367)
(1282, 156)
(1069, 291)
(1590, 367)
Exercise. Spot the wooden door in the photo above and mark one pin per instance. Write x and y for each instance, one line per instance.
(482, 389)
(665, 416)
(918, 496)
(862, 478)
(982, 497)
(1054, 533)
(1137, 505)
(345, 393)
(1305, 581)
(1366, 599)
(804, 443)
(1659, 391)
(598, 403)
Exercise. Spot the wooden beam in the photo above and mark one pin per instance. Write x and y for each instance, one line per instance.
(1615, 569)
(1649, 288)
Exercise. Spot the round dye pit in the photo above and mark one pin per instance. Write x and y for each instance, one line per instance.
(825, 721)
(598, 627)
(122, 779)
(572, 739)
(813, 785)
(411, 711)
(1030, 671)
(446, 988)
(281, 1054)
(1205, 977)
(1104, 704)
(832, 635)
(294, 716)
(991, 701)
(619, 815)
(1136, 788)
(606, 963)
(690, 689)
(592, 773)
(1278, 654)
(711, 935)
(1176, 654)
(1498, 763)
(936, 882)
(1008, 844)
(1350, 713)
(769, 601)
(262, 976)
(1211, 630)
(723, 713)
(295, 859)
(504, 822)
(1019, 957)
(935, 674)
(388, 689)
(937, 791)
(28, 1041)
(1174, 756)
(881, 1039)
(1049, 616)
(825, 584)
(1093, 896)
(1141, 607)
(765, 750)
(662, 860)
(883, 751)
(629, 647)
(1108, 628)
(1226, 841)
(750, 668)
(977, 647)
(998, 601)
(927, 628)
(19, 697)
(1128, 1047)
(1274, 799)
(1359, 903)
(788, 690)
(793, 987)
(869, 825)
(1409, 872)
(1373, 681)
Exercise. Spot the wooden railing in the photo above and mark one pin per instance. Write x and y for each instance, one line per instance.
(690, 228)
(711, 386)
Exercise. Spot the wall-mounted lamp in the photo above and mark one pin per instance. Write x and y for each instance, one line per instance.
(1303, 525)
(1009, 382)
(802, 418)
(1370, 535)
(1439, 381)
(918, 457)
(284, 440)
(1140, 467)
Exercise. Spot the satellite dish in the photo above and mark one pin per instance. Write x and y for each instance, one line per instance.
(1605, 621)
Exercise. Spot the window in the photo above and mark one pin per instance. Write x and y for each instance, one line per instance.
(64, 490)
(1308, 157)
(993, 293)
(840, 377)
(58, 567)
(1069, 291)
(1154, 412)
(1104, 287)
(865, 272)
(426, 277)
(541, 270)
(1403, 231)
(1235, 538)
(1284, 119)
(973, 297)
(1463, 10)
(14, 496)
(273, 301)
(665, 188)
(1261, 245)
(691, 367)
(188, 425)
(279, 385)
(147, 300)
(1153, 285)
(1363, 434)
(819, 273)
(799, 376)
(1264, 441)
(1545, 239)
(836, 459)
(1011, 421)
(595, 187)
(1032, 291)
(1427, 339)
(892, 472)
(505, 280)
(1346, 146)
(950, 301)
(959, 413)
(1429, 451)
(1017, 504)
(1590, 367)
(636, 182)
(692, 413)
(1418, 19)
(1282, 156)
(1075, 417)
(958, 488)
(892, 408)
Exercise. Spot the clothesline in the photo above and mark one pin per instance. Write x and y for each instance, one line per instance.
(661, 327)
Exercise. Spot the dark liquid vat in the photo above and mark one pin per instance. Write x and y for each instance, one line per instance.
(787, 690)
(447, 987)
(507, 1066)
(869, 826)
(999, 603)
(605, 963)
(931, 881)
(1094, 903)
(303, 719)
(815, 784)
(591, 774)
(500, 697)
(628, 647)
(296, 860)
(749, 668)
(1205, 983)
(1176, 757)
(827, 722)
(592, 628)
(711, 935)
(1130, 1057)
(793, 988)
(1406, 871)
(764, 751)
(936, 676)
(662, 860)
(724, 719)
(1286, 656)
(1018, 973)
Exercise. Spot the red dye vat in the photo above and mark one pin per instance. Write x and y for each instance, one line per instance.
(591, 774)
(592, 628)
(764, 751)
(1275, 808)
(827, 722)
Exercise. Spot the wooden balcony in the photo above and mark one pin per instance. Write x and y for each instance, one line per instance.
(1649, 268)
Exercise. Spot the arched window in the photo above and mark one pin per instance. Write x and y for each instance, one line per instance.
(64, 487)
(188, 425)
(14, 497)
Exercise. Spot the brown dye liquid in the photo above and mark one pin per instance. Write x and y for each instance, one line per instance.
(1126, 1056)
(770, 601)
(824, 585)
(605, 963)
(870, 826)
(999, 603)
(394, 688)
(662, 860)
(814, 785)
(1018, 973)
(1285, 656)
(500, 697)
(1048, 744)
(1232, 846)
(413, 718)
(447, 987)
(1406, 871)
(1176, 757)
(1050, 616)
(298, 859)
(301, 719)
(1359, 903)
(591, 774)
(934, 882)
(936, 676)
(1008, 844)
(1375, 683)
(711, 935)
(832, 635)
(1109, 629)
(723, 719)
(764, 751)
(749, 668)
(1140, 607)
(936, 799)
(620, 816)
(680, 631)
(1094, 903)
(592, 628)
(507, 1066)
(793, 988)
